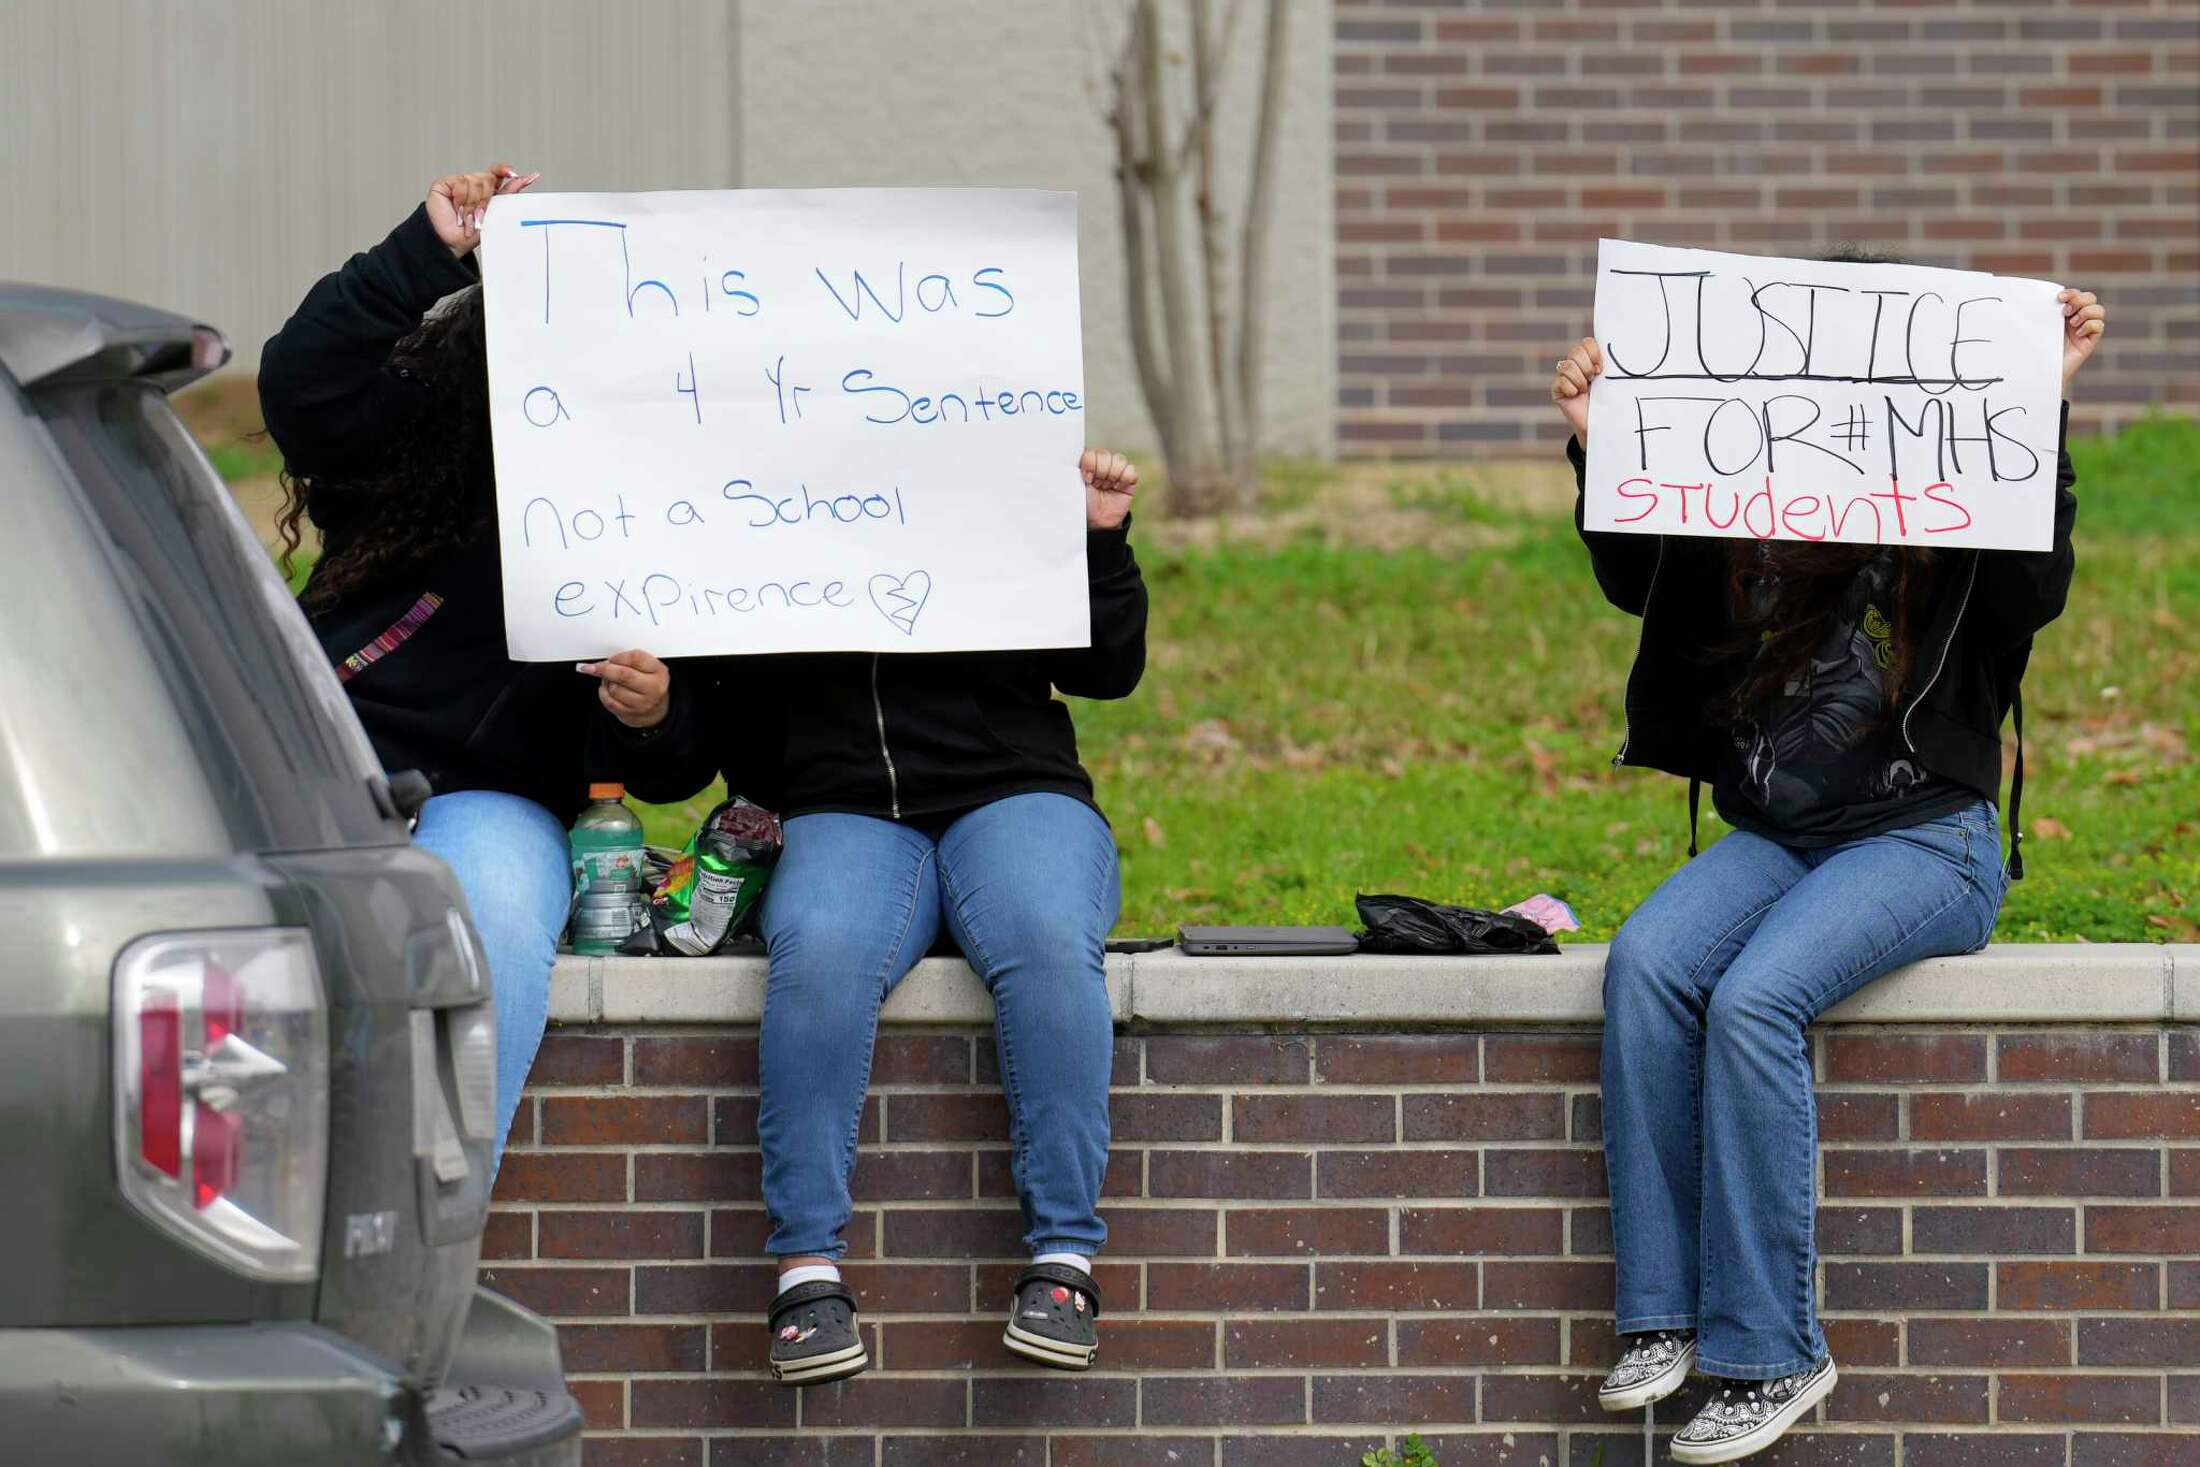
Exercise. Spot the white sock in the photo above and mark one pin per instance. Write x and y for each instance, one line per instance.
(808, 1273)
(1077, 1261)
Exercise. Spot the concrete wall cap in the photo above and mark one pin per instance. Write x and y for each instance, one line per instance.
(2090, 983)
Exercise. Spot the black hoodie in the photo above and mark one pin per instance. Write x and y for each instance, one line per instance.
(903, 736)
(446, 700)
(1985, 608)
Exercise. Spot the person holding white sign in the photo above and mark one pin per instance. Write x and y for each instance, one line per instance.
(922, 793)
(376, 390)
(1844, 702)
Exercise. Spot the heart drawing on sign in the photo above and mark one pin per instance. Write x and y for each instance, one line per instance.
(900, 598)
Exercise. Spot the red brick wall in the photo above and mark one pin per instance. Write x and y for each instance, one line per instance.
(1483, 146)
(1322, 1239)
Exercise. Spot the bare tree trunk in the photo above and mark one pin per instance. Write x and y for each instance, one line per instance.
(1192, 471)
(1201, 143)
(1153, 378)
(1252, 323)
(1198, 367)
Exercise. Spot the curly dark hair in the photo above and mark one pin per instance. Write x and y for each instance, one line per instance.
(432, 490)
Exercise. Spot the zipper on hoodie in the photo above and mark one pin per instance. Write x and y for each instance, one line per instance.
(878, 711)
(1627, 707)
(1940, 663)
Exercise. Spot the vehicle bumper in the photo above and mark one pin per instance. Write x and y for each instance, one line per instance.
(242, 1395)
(275, 1395)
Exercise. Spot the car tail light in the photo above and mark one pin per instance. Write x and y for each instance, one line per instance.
(221, 1103)
(160, 1081)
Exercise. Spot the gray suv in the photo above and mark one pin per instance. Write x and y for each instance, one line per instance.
(246, 1054)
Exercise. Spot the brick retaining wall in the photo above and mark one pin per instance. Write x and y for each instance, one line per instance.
(1324, 1238)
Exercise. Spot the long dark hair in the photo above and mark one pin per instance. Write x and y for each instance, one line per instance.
(431, 489)
(1805, 582)
(1782, 597)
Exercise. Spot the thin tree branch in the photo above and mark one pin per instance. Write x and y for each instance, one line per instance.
(1206, 84)
(1187, 470)
(1153, 378)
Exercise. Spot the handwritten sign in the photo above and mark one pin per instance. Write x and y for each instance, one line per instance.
(787, 420)
(1802, 400)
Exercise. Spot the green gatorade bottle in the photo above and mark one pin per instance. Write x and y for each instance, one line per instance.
(609, 900)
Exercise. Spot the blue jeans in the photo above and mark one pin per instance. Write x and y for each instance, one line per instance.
(512, 862)
(1028, 888)
(1710, 1127)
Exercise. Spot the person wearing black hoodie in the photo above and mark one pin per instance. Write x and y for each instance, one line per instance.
(923, 792)
(376, 391)
(1844, 702)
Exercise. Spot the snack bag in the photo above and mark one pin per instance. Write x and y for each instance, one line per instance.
(715, 882)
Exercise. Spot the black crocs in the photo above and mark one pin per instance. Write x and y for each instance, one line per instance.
(1055, 1317)
(814, 1337)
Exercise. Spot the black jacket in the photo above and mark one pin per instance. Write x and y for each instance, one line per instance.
(1984, 611)
(447, 701)
(902, 736)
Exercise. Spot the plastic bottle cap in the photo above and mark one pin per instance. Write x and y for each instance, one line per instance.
(607, 792)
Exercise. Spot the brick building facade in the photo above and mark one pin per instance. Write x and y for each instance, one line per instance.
(1327, 1232)
(1483, 147)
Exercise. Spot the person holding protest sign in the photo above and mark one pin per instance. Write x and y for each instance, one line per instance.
(1844, 702)
(924, 793)
(378, 397)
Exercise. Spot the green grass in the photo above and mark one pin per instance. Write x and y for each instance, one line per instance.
(1406, 681)
(1321, 718)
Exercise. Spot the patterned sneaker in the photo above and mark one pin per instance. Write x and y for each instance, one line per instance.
(1653, 1368)
(1747, 1416)
(1054, 1318)
(814, 1337)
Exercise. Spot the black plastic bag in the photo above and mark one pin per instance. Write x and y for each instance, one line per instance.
(1403, 924)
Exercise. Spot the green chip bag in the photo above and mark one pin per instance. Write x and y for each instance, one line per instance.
(717, 879)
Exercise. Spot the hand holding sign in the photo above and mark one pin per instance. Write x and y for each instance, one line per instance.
(457, 203)
(1577, 371)
(1110, 481)
(633, 686)
(1816, 400)
(2085, 319)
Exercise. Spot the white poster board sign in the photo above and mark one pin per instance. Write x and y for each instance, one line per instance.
(787, 420)
(1803, 400)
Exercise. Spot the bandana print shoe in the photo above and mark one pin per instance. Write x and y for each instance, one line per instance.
(1055, 1317)
(1746, 1416)
(814, 1337)
(1653, 1368)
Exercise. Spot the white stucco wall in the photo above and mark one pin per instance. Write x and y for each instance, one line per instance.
(216, 156)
